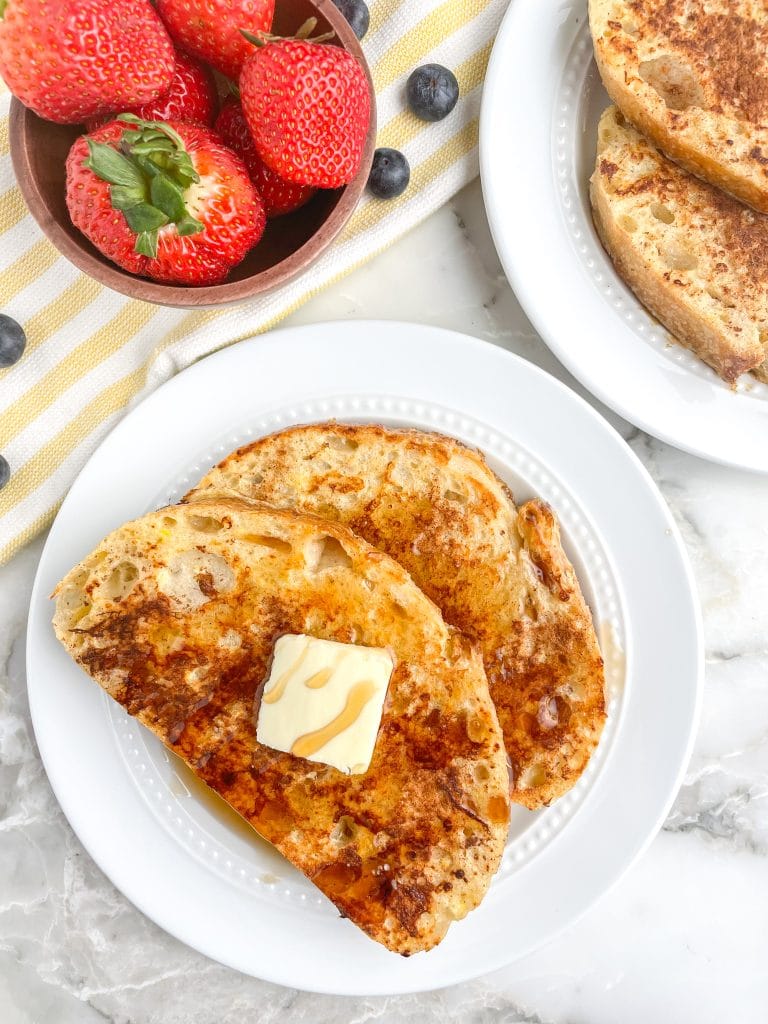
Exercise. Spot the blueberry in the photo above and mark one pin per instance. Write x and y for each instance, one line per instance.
(432, 92)
(390, 174)
(357, 14)
(5, 472)
(12, 341)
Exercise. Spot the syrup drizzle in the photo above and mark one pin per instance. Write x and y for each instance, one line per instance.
(319, 679)
(357, 698)
(277, 691)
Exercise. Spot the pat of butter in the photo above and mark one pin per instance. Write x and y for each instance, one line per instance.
(323, 701)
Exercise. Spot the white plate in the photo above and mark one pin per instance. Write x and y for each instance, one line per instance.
(541, 104)
(235, 899)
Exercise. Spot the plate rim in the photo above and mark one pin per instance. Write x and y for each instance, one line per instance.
(482, 349)
(517, 262)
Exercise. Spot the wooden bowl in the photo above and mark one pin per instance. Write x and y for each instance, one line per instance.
(290, 243)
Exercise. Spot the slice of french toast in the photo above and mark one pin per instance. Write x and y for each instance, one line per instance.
(697, 259)
(692, 75)
(497, 572)
(176, 616)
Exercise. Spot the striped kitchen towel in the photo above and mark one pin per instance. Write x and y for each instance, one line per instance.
(91, 352)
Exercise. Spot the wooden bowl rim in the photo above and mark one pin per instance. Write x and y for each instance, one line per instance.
(230, 292)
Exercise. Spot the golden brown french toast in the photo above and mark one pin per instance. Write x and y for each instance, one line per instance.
(176, 616)
(497, 572)
(697, 259)
(692, 75)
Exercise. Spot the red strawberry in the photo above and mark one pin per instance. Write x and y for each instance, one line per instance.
(166, 201)
(73, 59)
(210, 29)
(278, 195)
(191, 97)
(308, 106)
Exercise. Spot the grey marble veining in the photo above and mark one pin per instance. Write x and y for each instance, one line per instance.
(682, 938)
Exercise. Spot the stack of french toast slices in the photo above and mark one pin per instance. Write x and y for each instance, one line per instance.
(367, 537)
(680, 189)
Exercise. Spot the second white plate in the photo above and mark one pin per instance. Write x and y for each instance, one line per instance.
(537, 152)
(213, 884)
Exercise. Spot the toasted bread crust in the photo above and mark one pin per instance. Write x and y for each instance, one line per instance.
(499, 574)
(182, 611)
(697, 259)
(693, 77)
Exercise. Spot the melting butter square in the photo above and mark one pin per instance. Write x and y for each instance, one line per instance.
(323, 701)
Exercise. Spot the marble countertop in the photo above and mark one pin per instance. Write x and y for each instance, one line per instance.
(683, 937)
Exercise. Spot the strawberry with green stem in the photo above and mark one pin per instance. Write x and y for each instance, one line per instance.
(308, 106)
(164, 200)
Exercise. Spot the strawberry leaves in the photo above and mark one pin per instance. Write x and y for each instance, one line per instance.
(148, 176)
(110, 165)
(304, 32)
